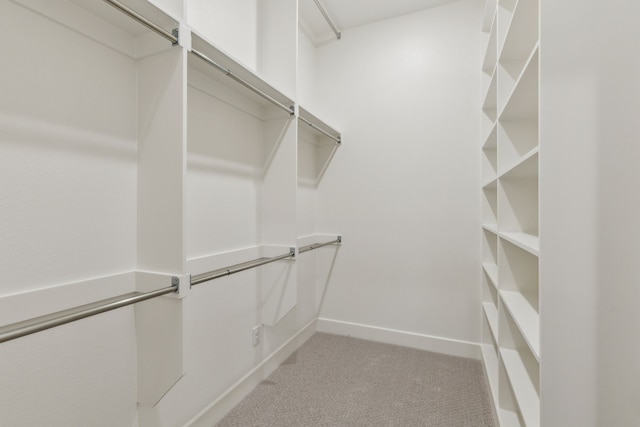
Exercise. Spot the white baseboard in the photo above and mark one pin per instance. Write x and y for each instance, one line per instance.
(403, 338)
(215, 411)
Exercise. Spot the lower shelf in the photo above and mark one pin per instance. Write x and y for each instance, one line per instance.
(525, 388)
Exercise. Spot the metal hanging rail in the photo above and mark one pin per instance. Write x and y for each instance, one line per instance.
(236, 268)
(313, 246)
(326, 17)
(37, 324)
(173, 38)
(319, 129)
(244, 83)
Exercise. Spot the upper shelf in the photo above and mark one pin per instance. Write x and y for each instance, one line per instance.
(322, 132)
(215, 63)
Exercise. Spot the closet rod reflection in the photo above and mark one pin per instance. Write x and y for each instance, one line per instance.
(244, 83)
(329, 21)
(237, 268)
(318, 245)
(319, 129)
(41, 323)
(144, 21)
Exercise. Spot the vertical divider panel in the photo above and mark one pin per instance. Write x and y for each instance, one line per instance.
(161, 237)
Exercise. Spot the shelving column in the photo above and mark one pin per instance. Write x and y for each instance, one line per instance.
(511, 334)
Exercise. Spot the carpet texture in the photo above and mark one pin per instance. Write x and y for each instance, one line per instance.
(341, 381)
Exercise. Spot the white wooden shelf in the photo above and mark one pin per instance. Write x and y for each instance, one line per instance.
(523, 100)
(493, 228)
(491, 313)
(522, 33)
(510, 73)
(491, 51)
(491, 367)
(519, 369)
(505, 11)
(491, 141)
(492, 272)
(223, 62)
(489, 15)
(525, 167)
(524, 310)
(323, 133)
(528, 242)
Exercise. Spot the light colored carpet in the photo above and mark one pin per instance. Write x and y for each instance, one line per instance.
(341, 381)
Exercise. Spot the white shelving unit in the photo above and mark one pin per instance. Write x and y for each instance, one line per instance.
(510, 218)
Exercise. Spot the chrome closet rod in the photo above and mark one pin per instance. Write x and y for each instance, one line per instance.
(319, 129)
(318, 245)
(41, 323)
(248, 85)
(326, 17)
(237, 268)
(144, 21)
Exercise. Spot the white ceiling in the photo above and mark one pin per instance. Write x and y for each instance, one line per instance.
(353, 13)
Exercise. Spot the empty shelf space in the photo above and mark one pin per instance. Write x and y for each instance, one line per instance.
(524, 168)
(491, 314)
(220, 67)
(489, 15)
(491, 367)
(492, 271)
(505, 11)
(518, 142)
(491, 141)
(522, 101)
(522, 33)
(523, 308)
(510, 74)
(491, 51)
(528, 242)
(523, 376)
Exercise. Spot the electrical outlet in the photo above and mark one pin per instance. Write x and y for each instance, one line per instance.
(257, 335)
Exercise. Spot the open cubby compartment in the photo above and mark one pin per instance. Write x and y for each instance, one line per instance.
(241, 157)
(517, 141)
(260, 35)
(489, 350)
(489, 108)
(490, 157)
(519, 291)
(490, 59)
(80, 101)
(505, 11)
(522, 34)
(521, 102)
(490, 204)
(513, 72)
(522, 369)
(518, 205)
(508, 411)
(490, 301)
(488, 16)
(489, 248)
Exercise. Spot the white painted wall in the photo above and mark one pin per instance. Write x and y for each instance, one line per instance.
(590, 101)
(403, 188)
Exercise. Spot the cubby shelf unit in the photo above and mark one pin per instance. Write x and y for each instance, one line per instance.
(510, 217)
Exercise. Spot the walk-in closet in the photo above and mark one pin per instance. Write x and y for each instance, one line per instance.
(319, 212)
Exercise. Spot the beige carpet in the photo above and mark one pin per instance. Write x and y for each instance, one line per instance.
(341, 381)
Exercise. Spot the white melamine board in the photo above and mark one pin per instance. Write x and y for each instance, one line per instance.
(522, 102)
(493, 228)
(161, 162)
(518, 142)
(491, 51)
(67, 155)
(518, 199)
(491, 313)
(492, 271)
(489, 14)
(511, 71)
(522, 34)
(491, 141)
(229, 24)
(220, 57)
(528, 242)
(525, 388)
(490, 360)
(505, 12)
(508, 413)
(524, 308)
(524, 168)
